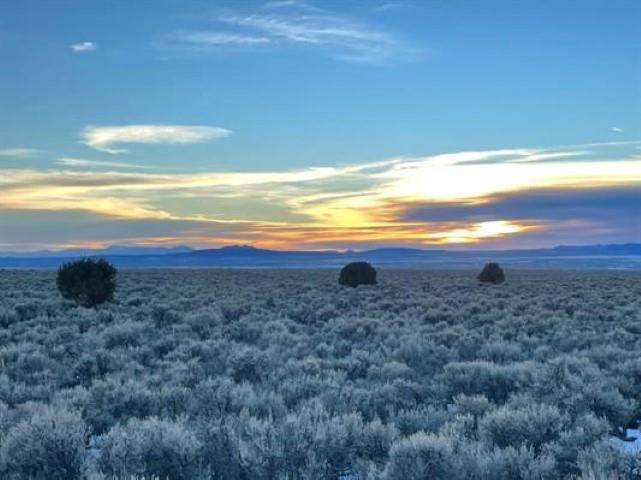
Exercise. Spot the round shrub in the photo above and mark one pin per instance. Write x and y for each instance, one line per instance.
(150, 447)
(357, 273)
(420, 456)
(533, 426)
(491, 273)
(87, 281)
(48, 446)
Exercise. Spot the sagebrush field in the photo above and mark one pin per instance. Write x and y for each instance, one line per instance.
(284, 374)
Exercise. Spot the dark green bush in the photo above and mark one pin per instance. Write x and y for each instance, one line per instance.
(492, 273)
(357, 273)
(88, 281)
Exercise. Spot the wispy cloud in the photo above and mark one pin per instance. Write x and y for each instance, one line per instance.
(310, 29)
(289, 23)
(285, 4)
(444, 198)
(104, 138)
(83, 47)
(84, 163)
(221, 39)
(19, 152)
(386, 7)
(617, 129)
(551, 156)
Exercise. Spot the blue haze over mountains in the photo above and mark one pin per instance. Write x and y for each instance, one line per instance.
(618, 256)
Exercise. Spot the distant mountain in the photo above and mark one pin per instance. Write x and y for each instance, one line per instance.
(621, 256)
(89, 252)
(610, 249)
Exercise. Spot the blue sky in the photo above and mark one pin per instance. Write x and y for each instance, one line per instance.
(337, 124)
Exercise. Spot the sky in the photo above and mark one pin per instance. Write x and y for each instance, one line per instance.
(342, 124)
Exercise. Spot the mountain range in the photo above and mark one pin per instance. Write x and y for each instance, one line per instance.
(618, 256)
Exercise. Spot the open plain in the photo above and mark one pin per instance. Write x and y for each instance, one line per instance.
(284, 374)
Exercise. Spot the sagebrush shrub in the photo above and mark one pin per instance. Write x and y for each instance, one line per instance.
(420, 456)
(155, 447)
(494, 381)
(327, 382)
(48, 446)
(530, 426)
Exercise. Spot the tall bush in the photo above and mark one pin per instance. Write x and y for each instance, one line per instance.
(491, 273)
(87, 281)
(357, 273)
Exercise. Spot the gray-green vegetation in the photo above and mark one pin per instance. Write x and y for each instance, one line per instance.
(259, 374)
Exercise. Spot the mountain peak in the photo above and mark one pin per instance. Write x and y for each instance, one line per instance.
(239, 248)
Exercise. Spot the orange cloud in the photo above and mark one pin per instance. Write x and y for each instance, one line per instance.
(320, 206)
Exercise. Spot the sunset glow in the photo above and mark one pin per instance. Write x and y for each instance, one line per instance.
(389, 135)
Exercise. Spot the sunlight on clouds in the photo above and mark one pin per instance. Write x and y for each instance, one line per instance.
(450, 182)
(69, 200)
(479, 231)
(83, 163)
(104, 138)
(354, 204)
(398, 233)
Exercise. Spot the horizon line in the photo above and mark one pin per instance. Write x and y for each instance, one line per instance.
(189, 249)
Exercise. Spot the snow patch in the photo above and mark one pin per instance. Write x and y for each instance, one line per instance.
(632, 442)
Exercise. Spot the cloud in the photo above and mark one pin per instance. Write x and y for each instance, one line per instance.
(18, 152)
(617, 129)
(79, 162)
(479, 231)
(308, 29)
(386, 7)
(103, 138)
(286, 3)
(83, 47)
(597, 214)
(221, 39)
(459, 197)
(298, 24)
(338, 37)
(552, 156)
(39, 229)
(549, 204)
(19, 179)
